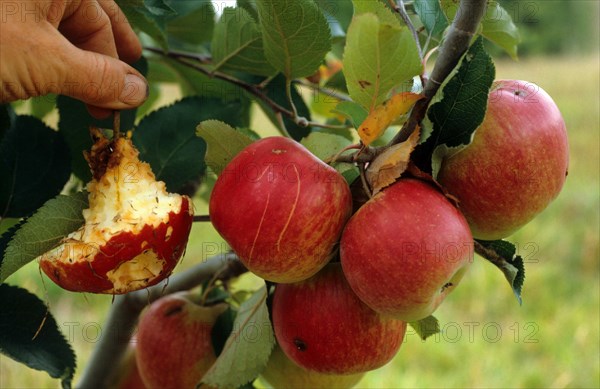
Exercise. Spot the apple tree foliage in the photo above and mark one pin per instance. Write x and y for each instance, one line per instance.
(319, 70)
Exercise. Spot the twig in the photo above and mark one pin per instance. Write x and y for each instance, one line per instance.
(457, 42)
(399, 7)
(201, 218)
(202, 58)
(363, 180)
(125, 310)
(116, 124)
(255, 90)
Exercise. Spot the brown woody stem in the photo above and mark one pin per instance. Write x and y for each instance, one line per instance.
(456, 43)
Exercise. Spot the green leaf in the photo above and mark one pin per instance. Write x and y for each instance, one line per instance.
(148, 16)
(275, 90)
(167, 137)
(464, 101)
(378, 57)
(250, 7)
(341, 11)
(352, 111)
(34, 166)
(383, 13)
(29, 335)
(75, 122)
(7, 116)
(237, 44)
(247, 349)
(193, 26)
(426, 327)
(223, 143)
(54, 220)
(42, 105)
(431, 15)
(6, 237)
(295, 35)
(510, 264)
(498, 27)
(195, 83)
(166, 140)
(325, 146)
(222, 329)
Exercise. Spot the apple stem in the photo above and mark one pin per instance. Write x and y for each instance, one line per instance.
(116, 124)
(363, 179)
(201, 218)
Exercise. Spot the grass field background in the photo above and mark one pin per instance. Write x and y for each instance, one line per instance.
(488, 340)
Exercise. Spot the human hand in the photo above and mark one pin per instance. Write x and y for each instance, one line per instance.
(70, 47)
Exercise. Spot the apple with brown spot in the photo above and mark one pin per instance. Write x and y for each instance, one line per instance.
(281, 209)
(515, 166)
(406, 249)
(322, 326)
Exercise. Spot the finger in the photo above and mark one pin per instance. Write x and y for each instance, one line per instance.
(100, 81)
(89, 28)
(127, 42)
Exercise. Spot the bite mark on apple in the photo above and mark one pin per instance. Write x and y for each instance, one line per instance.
(289, 219)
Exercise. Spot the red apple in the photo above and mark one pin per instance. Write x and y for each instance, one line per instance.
(516, 164)
(405, 250)
(281, 209)
(134, 232)
(174, 348)
(281, 372)
(322, 326)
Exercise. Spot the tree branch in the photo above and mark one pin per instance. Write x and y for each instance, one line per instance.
(126, 308)
(462, 30)
(255, 90)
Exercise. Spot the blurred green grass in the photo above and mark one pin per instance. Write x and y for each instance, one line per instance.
(488, 340)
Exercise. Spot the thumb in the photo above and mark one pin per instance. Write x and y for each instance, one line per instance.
(101, 81)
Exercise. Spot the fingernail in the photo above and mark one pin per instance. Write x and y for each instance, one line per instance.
(135, 90)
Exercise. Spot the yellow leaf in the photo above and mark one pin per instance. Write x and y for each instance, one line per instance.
(389, 165)
(385, 114)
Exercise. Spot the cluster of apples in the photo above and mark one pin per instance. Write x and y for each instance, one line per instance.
(349, 282)
(288, 215)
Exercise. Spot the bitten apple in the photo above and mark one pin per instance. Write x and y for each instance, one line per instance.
(281, 372)
(516, 164)
(134, 232)
(281, 209)
(322, 326)
(174, 348)
(405, 250)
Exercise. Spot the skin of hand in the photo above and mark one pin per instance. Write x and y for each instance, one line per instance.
(78, 48)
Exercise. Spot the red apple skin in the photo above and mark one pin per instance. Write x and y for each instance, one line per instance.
(164, 244)
(322, 326)
(281, 209)
(405, 250)
(515, 166)
(282, 372)
(174, 348)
